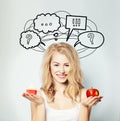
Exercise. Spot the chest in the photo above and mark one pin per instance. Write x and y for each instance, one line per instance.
(61, 102)
(62, 109)
(71, 114)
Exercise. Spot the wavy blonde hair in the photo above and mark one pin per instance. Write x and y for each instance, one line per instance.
(74, 82)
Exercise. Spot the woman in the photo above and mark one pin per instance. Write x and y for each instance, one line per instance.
(62, 96)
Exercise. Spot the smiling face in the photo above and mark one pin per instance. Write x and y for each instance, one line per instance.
(60, 67)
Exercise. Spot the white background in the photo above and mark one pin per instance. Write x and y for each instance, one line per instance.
(19, 67)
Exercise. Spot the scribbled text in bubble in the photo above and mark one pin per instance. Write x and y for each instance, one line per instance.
(90, 39)
(29, 39)
(75, 23)
(46, 23)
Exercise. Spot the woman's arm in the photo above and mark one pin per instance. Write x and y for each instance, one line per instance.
(84, 113)
(37, 112)
(84, 109)
(86, 105)
(37, 106)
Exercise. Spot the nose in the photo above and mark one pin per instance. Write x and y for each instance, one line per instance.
(62, 70)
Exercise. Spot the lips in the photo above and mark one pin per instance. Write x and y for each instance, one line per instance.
(62, 76)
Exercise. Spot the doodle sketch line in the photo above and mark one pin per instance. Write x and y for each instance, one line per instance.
(47, 28)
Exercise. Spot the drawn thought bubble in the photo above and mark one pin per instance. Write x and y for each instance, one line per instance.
(46, 23)
(29, 39)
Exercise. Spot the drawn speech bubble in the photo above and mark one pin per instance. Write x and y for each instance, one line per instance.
(91, 39)
(75, 23)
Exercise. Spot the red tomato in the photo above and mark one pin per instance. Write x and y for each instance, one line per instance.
(92, 92)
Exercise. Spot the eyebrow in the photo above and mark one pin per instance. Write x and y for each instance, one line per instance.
(59, 63)
(55, 62)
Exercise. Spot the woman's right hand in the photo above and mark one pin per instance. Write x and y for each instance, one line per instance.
(37, 99)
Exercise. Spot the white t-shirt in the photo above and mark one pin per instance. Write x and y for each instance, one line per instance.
(61, 115)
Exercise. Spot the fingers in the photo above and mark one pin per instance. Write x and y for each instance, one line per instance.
(30, 97)
(38, 99)
(94, 100)
(90, 101)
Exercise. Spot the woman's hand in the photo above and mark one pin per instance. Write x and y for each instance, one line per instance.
(90, 101)
(86, 105)
(37, 99)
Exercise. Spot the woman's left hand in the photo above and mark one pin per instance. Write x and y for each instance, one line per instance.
(90, 101)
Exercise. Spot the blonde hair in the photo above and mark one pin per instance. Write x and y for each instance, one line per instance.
(74, 77)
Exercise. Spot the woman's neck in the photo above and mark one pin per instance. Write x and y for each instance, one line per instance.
(60, 87)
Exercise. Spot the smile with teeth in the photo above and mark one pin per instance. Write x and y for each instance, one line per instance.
(61, 75)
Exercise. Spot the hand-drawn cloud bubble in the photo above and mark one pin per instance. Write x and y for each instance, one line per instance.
(75, 23)
(29, 39)
(90, 39)
(46, 23)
